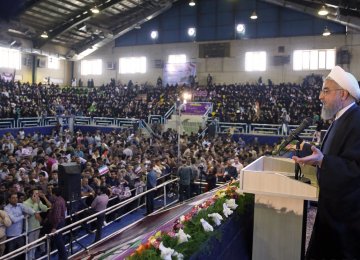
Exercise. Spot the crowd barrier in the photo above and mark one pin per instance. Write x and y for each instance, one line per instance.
(46, 124)
(72, 227)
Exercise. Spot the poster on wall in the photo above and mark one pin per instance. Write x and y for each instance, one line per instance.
(179, 73)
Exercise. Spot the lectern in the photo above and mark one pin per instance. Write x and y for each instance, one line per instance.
(280, 201)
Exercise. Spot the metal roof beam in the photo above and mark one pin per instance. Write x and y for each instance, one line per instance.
(79, 17)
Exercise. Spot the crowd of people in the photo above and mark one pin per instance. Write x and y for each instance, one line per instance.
(29, 174)
(245, 103)
(29, 162)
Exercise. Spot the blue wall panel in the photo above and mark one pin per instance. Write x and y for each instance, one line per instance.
(216, 20)
(266, 30)
(225, 32)
(206, 34)
(205, 20)
(170, 36)
(225, 19)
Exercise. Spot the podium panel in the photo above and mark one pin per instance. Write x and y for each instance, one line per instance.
(279, 214)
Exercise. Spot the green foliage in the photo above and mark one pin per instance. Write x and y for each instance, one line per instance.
(194, 228)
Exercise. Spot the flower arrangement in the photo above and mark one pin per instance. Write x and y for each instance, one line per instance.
(191, 230)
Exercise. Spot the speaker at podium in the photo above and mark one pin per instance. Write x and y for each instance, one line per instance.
(70, 181)
(280, 206)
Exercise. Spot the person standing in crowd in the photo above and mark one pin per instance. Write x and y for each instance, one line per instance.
(336, 232)
(285, 120)
(237, 164)
(5, 222)
(99, 204)
(230, 172)
(17, 212)
(211, 175)
(184, 172)
(56, 219)
(194, 189)
(35, 203)
(151, 180)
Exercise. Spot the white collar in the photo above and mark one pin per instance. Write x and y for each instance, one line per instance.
(342, 111)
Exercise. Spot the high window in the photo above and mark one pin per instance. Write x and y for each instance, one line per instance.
(132, 65)
(314, 59)
(53, 63)
(91, 67)
(10, 58)
(255, 61)
(180, 58)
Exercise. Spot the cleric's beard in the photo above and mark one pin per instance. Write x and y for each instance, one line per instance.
(330, 112)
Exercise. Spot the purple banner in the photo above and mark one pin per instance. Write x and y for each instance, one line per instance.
(194, 108)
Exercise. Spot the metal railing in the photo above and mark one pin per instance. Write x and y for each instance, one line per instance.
(78, 224)
(222, 127)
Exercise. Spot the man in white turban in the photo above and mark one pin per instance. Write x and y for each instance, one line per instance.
(336, 232)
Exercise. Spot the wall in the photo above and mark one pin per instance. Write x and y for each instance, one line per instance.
(63, 74)
(225, 70)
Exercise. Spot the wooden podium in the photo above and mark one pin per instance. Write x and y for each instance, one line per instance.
(280, 207)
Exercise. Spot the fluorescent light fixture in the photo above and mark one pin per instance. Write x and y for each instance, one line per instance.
(323, 11)
(191, 32)
(192, 3)
(326, 32)
(154, 35)
(95, 10)
(253, 16)
(240, 28)
(44, 35)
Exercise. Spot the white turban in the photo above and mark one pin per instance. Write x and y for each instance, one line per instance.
(346, 81)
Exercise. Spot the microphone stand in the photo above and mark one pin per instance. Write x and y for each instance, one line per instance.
(297, 153)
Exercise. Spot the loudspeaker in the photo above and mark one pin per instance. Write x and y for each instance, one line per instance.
(70, 181)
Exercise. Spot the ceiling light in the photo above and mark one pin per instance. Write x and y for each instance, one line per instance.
(240, 28)
(44, 35)
(95, 10)
(326, 32)
(137, 27)
(323, 11)
(192, 3)
(154, 35)
(191, 32)
(253, 16)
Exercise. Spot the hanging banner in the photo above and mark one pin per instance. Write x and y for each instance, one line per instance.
(179, 73)
(195, 108)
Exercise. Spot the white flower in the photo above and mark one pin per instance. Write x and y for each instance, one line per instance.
(165, 252)
(178, 255)
(182, 219)
(182, 236)
(231, 204)
(216, 217)
(227, 212)
(207, 227)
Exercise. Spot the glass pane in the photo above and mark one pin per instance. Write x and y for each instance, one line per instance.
(322, 59)
(306, 60)
(255, 61)
(297, 60)
(330, 59)
(181, 58)
(314, 60)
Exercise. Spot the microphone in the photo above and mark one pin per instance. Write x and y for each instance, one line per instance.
(295, 134)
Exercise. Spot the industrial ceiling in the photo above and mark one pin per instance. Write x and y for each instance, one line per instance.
(74, 25)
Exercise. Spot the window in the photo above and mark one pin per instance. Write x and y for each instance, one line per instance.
(132, 65)
(314, 59)
(255, 61)
(10, 58)
(53, 63)
(91, 67)
(181, 58)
